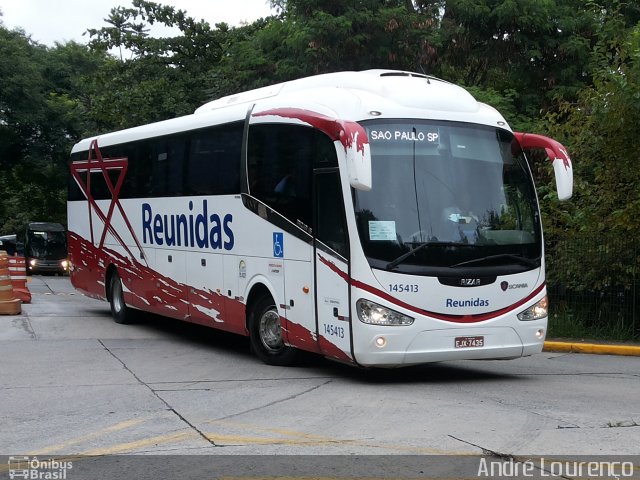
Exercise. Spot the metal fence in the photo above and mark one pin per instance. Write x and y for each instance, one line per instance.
(596, 283)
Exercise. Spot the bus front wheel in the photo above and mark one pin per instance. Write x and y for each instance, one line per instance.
(265, 334)
(119, 310)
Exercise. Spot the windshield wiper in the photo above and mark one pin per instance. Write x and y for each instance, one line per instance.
(421, 245)
(503, 256)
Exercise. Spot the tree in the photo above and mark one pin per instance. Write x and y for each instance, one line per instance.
(538, 48)
(165, 77)
(311, 37)
(601, 128)
(40, 118)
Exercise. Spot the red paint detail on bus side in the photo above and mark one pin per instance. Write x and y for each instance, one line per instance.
(143, 287)
(147, 289)
(81, 172)
(439, 316)
(236, 312)
(332, 351)
(345, 131)
(142, 291)
(299, 337)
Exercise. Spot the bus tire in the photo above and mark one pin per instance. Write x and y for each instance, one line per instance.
(265, 334)
(119, 310)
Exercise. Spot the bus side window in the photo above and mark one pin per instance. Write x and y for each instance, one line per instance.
(280, 161)
(98, 186)
(214, 160)
(167, 165)
(137, 182)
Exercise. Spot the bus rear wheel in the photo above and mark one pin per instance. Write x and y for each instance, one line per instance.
(119, 310)
(265, 334)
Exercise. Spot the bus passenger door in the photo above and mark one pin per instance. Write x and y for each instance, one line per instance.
(331, 253)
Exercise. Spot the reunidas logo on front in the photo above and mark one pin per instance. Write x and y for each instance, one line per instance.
(36, 469)
(471, 302)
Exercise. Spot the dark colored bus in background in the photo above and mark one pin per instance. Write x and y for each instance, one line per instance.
(45, 248)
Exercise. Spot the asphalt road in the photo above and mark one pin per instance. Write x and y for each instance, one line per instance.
(76, 383)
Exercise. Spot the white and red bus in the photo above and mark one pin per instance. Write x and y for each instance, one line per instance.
(378, 218)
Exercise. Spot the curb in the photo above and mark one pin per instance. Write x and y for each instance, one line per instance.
(598, 349)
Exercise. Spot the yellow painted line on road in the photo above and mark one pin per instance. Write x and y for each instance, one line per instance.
(303, 439)
(228, 440)
(231, 440)
(127, 447)
(279, 431)
(131, 447)
(91, 436)
(599, 349)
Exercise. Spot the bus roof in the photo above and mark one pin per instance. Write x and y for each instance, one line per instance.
(45, 227)
(354, 96)
(406, 89)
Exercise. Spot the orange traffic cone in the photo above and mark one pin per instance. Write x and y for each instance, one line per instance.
(9, 304)
(18, 273)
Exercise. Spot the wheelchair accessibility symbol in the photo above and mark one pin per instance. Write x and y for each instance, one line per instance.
(278, 244)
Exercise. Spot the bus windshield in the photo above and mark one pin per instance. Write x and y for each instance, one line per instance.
(447, 196)
(47, 245)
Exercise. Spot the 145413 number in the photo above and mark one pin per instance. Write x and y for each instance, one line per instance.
(403, 288)
(333, 330)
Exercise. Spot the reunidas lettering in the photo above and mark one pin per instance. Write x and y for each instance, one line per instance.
(472, 302)
(187, 230)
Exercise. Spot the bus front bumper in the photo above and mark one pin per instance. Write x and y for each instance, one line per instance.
(389, 348)
(35, 265)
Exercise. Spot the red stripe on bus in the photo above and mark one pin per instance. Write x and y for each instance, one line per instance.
(473, 318)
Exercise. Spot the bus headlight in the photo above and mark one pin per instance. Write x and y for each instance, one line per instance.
(374, 314)
(535, 312)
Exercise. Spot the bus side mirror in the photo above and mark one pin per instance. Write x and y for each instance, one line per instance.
(358, 153)
(558, 155)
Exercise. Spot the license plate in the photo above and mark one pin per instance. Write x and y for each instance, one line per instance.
(469, 342)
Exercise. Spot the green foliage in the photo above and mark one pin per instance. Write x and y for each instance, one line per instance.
(506, 103)
(312, 37)
(572, 322)
(33, 190)
(600, 128)
(40, 116)
(536, 48)
(164, 78)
